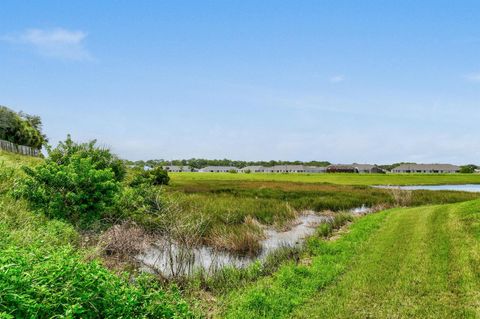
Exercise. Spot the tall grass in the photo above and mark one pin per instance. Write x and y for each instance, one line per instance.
(340, 179)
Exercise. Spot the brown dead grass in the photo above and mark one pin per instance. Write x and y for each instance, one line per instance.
(126, 239)
(242, 239)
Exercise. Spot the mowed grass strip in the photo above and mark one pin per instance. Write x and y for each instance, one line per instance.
(343, 179)
(423, 263)
(419, 262)
(294, 284)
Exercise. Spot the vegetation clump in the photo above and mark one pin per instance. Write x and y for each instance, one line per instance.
(468, 169)
(78, 182)
(155, 176)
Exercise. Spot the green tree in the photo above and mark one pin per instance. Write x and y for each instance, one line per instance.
(468, 169)
(21, 128)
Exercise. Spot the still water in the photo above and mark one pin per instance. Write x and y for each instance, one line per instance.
(460, 188)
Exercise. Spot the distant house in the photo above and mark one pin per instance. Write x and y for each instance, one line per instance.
(252, 169)
(341, 168)
(177, 169)
(426, 168)
(283, 169)
(355, 168)
(368, 169)
(218, 169)
(315, 169)
(288, 169)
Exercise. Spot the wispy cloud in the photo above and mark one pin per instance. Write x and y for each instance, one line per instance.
(473, 77)
(55, 43)
(337, 78)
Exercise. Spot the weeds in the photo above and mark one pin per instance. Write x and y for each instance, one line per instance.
(401, 198)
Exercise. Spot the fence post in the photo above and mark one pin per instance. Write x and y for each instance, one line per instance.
(19, 149)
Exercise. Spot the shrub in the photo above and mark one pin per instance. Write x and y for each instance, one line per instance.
(76, 182)
(58, 284)
(159, 176)
(154, 176)
(101, 157)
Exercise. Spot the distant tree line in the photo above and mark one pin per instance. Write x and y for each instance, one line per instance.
(21, 128)
(200, 163)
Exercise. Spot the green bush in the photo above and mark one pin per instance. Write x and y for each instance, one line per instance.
(101, 158)
(159, 176)
(35, 284)
(77, 182)
(154, 176)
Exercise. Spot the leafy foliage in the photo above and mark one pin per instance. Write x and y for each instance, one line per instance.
(43, 273)
(38, 285)
(78, 182)
(155, 176)
(101, 158)
(21, 128)
(468, 169)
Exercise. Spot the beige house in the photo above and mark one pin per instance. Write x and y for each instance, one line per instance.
(427, 168)
(218, 169)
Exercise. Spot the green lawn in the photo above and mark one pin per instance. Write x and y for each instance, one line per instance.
(344, 179)
(419, 262)
(423, 263)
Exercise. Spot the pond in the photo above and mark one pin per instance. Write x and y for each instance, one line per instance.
(459, 188)
(171, 259)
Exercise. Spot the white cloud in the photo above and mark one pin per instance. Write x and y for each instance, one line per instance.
(55, 43)
(473, 77)
(337, 78)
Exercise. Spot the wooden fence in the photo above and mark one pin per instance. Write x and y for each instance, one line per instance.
(19, 149)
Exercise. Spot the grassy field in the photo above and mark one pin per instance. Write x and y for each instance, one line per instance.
(404, 263)
(342, 179)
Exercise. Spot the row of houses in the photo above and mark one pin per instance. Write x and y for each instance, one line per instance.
(427, 168)
(352, 168)
(336, 168)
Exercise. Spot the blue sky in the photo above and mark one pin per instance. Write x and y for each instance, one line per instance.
(344, 81)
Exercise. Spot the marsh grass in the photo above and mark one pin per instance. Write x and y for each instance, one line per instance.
(222, 207)
(339, 179)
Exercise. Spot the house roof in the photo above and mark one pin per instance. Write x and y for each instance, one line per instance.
(288, 167)
(341, 166)
(427, 167)
(363, 166)
(319, 168)
(252, 168)
(172, 167)
(220, 168)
